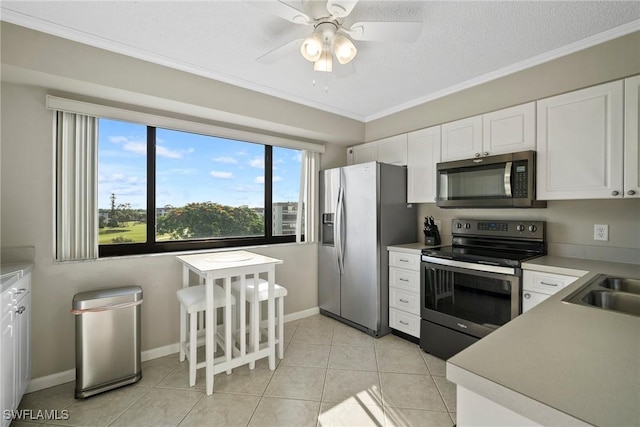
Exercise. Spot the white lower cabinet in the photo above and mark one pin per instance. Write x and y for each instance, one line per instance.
(538, 286)
(404, 292)
(15, 345)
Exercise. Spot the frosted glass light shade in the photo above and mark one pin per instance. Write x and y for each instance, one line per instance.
(311, 47)
(325, 62)
(344, 49)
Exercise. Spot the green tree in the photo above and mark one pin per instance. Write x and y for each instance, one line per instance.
(202, 220)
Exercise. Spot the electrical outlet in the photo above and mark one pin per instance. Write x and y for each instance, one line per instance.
(601, 232)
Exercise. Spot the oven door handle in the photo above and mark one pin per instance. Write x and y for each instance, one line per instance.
(507, 178)
(462, 266)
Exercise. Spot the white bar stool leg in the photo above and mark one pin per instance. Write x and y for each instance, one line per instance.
(254, 334)
(193, 348)
(280, 331)
(183, 331)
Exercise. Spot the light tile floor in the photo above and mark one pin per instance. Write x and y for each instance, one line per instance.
(331, 375)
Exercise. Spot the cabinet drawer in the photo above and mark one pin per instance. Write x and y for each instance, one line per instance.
(407, 301)
(404, 260)
(404, 322)
(404, 279)
(545, 283)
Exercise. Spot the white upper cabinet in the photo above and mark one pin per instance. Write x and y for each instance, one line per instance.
(365, 153)
(509, 130)
(423, 153)
(462, 139)
(632, 137)
(580, 144)
(393, 150)
(505, 131)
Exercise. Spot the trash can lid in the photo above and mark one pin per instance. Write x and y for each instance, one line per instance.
(91, 299)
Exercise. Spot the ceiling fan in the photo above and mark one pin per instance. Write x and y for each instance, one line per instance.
(330, 37)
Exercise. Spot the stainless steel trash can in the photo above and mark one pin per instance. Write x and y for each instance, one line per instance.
(107, 339)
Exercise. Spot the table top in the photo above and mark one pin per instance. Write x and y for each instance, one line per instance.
(215, 261)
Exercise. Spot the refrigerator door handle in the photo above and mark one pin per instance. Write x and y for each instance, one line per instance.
(338, 231)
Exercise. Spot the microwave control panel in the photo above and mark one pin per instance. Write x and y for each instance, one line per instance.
(520, 181)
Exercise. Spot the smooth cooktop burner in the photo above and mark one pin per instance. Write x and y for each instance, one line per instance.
(490, 256)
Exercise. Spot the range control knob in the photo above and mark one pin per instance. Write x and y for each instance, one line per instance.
(458, 225)
(467, 226)
(533, 228)
(520, 227)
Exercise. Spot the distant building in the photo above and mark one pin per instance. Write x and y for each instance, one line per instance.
(284, 217)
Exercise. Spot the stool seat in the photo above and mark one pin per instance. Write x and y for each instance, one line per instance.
(193, 298)
(263, 289)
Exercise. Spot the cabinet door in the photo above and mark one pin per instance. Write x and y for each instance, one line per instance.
(632, 137)
(365, 153)
(531, 299)
(580, 144)
(22, 324)
(393, 150)
(509, 130)
(423, 154)
(7, 354)
(462, 139)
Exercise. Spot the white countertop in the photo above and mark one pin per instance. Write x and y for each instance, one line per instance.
(9, 273)
(410, 248)
(561, 363)
(213, 261)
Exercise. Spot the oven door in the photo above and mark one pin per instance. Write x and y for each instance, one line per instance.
(468, 300)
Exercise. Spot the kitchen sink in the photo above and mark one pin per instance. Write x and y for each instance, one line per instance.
(609, 293)
(625, 285)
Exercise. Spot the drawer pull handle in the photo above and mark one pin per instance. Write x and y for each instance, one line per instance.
(403, 280)
(548, 284)
(21, 291)
(21, 309)
(403, 260)
(404, 323)
(404, 301)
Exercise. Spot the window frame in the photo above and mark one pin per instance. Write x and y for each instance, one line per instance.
(151, 246)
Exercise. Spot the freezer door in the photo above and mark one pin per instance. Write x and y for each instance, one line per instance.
(360, 290)
(328, 270)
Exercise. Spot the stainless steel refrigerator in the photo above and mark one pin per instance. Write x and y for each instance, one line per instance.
(363, 209)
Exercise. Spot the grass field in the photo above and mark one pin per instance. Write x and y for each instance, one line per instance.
(133, 232)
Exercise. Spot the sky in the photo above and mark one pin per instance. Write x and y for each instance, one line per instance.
(189, 168)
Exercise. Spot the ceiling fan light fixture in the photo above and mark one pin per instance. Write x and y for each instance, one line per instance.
(311, 47)
(325, 63)
(344, 49)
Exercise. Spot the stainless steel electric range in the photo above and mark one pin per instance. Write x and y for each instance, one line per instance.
(471, 288)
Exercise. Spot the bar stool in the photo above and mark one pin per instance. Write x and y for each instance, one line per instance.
(193, 301)
(263, 294)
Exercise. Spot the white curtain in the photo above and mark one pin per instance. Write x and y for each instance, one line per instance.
(308, 197)
(76, 187)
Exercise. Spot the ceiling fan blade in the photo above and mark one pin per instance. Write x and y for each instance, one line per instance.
(385, 31)
(345, 70)
(283, 10)
(281, 52)
(341, 8)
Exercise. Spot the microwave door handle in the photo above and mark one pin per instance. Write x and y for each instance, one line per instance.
(507, 179)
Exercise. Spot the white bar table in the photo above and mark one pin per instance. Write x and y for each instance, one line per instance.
(227, 265)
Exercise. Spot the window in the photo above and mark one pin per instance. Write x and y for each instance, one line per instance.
(165, 190)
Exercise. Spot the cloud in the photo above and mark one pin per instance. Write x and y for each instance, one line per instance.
(260, 179)
(228, 160)
(221, 175)
(257, 162)
(165, 152)
(118, 139)
(136, 147)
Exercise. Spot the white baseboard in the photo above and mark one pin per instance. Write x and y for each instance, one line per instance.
(58, 378)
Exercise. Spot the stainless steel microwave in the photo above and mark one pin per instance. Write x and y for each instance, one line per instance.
(502, 181)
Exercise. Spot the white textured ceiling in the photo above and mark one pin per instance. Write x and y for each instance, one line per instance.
(461, 44)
